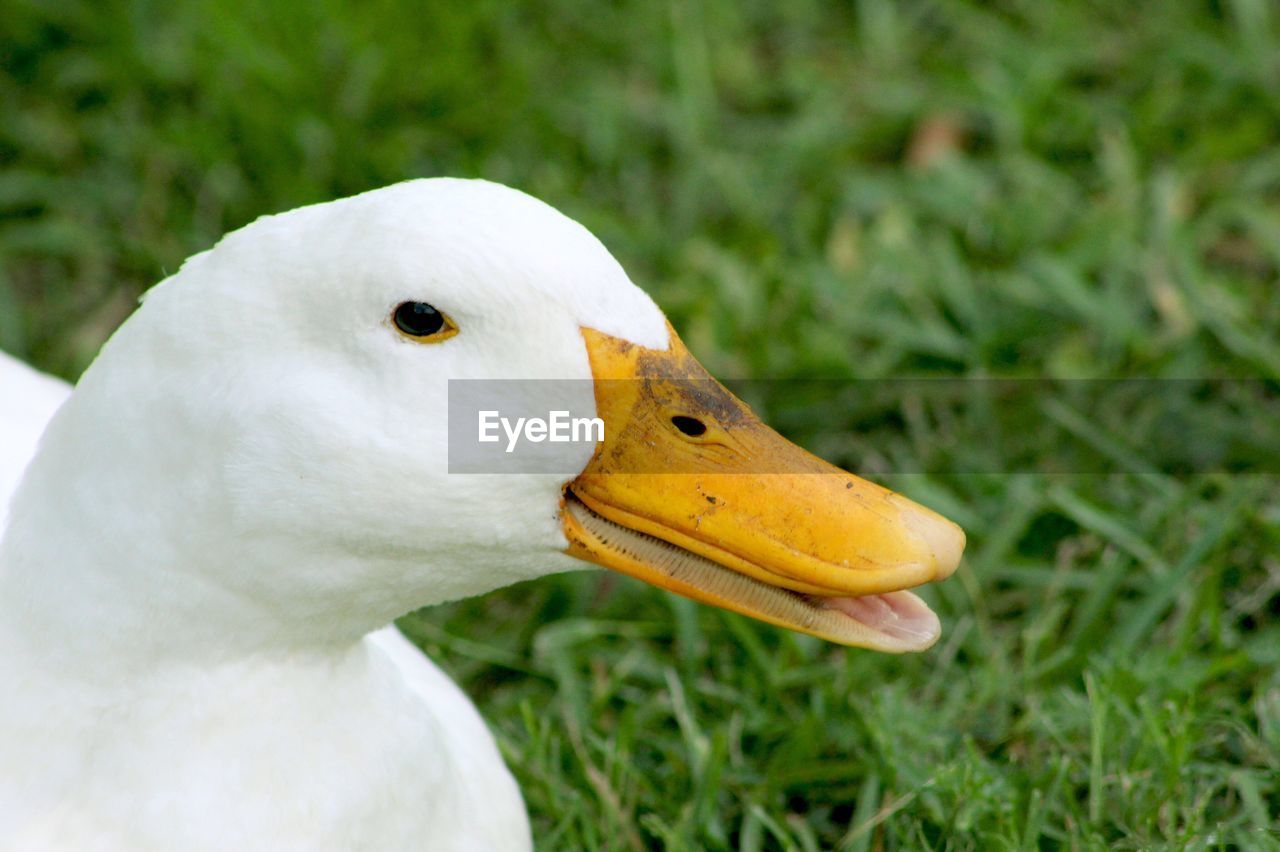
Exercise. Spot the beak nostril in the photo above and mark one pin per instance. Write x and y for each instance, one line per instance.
(690, 426)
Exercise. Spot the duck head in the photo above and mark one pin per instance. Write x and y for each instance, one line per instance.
(265, 443)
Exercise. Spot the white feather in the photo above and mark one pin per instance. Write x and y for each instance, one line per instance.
(27, 400)
(245, 488)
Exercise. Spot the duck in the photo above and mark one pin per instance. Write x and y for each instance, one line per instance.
(206, 542)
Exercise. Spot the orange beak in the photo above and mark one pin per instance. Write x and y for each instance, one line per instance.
(691, 492)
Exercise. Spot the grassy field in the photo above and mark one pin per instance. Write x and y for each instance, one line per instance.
(839, 190)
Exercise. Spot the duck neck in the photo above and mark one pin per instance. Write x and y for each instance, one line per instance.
(91, 583)
(134, 543)
(85, 603)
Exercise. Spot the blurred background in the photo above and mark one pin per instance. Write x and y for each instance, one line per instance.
(811, 190)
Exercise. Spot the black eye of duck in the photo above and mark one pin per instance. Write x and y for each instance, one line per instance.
(422, 322)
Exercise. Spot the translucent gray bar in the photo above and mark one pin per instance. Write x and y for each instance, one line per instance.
(942, 426)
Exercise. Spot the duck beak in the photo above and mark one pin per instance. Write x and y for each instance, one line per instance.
(691, 492)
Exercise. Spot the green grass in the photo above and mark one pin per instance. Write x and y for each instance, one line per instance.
(1103, 200)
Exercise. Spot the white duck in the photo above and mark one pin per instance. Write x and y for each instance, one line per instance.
(251, 482)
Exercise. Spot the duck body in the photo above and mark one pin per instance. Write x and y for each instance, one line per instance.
(28, 400)
(110, 744)
(252, 481)
(204, 554)
(367, 747)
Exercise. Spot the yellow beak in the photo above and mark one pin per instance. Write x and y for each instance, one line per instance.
(691, 492)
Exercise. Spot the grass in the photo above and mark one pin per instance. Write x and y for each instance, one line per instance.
(860, 190)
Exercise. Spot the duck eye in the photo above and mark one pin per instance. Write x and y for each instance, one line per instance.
(422, 322)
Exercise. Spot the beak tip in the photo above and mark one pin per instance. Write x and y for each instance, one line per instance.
(947, 542)
(943, 539)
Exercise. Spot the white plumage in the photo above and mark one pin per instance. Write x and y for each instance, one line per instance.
(27, 400)
(245, 488)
